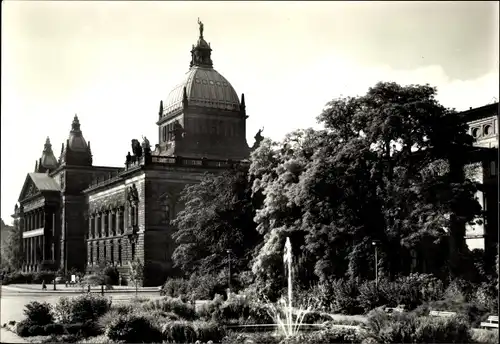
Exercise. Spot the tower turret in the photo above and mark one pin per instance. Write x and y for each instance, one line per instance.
(77, 151)
(48, 161)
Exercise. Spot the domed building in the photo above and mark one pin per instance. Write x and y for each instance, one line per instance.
(77, 216)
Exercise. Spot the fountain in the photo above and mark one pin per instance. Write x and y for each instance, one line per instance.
(289, 325)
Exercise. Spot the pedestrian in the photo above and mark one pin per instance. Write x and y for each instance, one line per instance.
(44, 287)
(88, 288)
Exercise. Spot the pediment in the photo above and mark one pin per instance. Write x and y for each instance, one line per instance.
(29, 189)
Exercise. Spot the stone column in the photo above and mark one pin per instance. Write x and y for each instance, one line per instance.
(103, 223)
(91, 221)
(110, 223)
(27, 250)
(117, 223)
(43, 247)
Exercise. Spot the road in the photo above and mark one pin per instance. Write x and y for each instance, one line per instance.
(13, 302)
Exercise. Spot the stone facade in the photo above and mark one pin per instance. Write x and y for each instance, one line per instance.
(483, 127)
(76, 215)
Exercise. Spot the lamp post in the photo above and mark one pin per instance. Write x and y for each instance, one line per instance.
(229, 251)
(375, 243)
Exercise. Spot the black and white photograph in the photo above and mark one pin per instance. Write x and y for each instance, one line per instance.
(249, 172)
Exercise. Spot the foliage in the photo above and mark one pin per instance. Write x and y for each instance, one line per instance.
(38, 313)
(111, 275)
(387, 167)
(243, 338)
(11, 252)
(175, 305)
(198, 287)
(136, 273)
(175, 287)
(218, 215)
(133, 329)
(82, 308)
(28, 277)
(484, 336)
(408, 328)
(333, 335)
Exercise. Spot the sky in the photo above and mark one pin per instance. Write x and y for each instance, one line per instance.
(112, 62)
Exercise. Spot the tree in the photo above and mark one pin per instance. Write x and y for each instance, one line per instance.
(218, 216)
(12, 255)
(136, 273)
(388, 166)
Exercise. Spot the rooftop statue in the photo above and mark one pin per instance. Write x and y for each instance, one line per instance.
(200, 23)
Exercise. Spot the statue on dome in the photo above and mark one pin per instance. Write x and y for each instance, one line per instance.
(200, 23)
(145, 143)
(258, 138)
(136, 148)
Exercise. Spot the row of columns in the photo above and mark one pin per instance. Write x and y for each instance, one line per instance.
(35, 250)
(106, 223)
(34, 219)
(112, 251)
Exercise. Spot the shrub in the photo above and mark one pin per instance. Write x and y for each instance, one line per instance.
(38, 313)
(83, 330)
(372, 295)
(484, 336)
(205, 287)
(53, 329)
(340, 296)
(23, 328)
(175, 305)
(334, 335)
(415, 289)
(179, 332)
(473, 312)
(133, 329)
(408, 328)
(41, 276)
(449, 330)
(243, 338)
(206, 331)
(86, 307)
(206, 310)
(111, 275)
(175, 287)
(18, 278)
(94, 280)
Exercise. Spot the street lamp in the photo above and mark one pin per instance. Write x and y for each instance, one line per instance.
(375, 243)
(229, 251)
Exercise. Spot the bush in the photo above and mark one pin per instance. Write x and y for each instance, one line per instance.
(415, 289)
(83, 308)
(111, 275)
(94, 280)
(484, 336)
(83, 330)
(260, 338)
(206, 331)
(340, 296)
(334, 335)
(133, 329)
(18, 278)
(409, 328)
(372, 295)
(473, 312)
(38, 313)
(53, 329)
(43, 276)
(174, 305)
(175, 287)
(179, 332)
(449, 330)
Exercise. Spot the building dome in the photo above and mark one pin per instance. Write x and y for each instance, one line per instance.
(204, 87)
(48, 159)
(76, 142)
